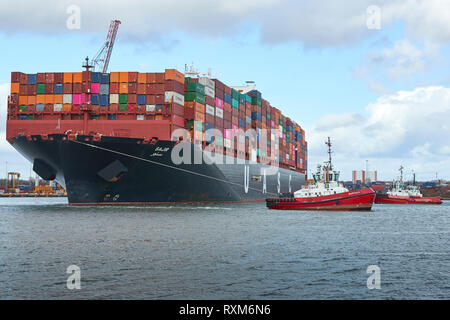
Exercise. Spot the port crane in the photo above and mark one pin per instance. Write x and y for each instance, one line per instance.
(100, 61)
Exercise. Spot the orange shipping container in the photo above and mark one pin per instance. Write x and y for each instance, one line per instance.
(142, 78)
(123, 88)
(200, 116)
(114, 77)
(31, 100)
(49, 99)
(77, 77)
(15, 87)
(67, 77)
(58, 98)
(67, 108)
(23, 100)
(172, 74)
(40, 99)
(123, 77)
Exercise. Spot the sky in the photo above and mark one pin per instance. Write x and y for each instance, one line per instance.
(372, 75)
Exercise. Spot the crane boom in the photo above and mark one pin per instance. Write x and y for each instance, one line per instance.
(101, 59)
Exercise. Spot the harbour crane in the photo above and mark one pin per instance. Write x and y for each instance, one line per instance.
(100, 61)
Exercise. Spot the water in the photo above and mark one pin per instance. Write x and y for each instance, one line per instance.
(221, 252)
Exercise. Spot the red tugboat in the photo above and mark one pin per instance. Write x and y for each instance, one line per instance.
(326, 193)
(401, 194)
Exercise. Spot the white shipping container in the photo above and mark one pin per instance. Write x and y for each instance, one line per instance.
(140, 117)
(114, 98)
(210, 92)
(67, 98)
(174, 97)
(150, 108)
(210, 109)
(57, 107)
(207, 82)
(219, 113)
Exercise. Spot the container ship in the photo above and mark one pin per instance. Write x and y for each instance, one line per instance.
(110, 138)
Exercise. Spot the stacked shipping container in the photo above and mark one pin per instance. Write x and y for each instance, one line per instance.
(197, 104)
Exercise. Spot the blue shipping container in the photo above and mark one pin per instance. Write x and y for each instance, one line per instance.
(58, 89)
(95, 77)
(32, 79)
(112, 116)
(104, 100)
(95, 99)
(104, 78)
(141, 99)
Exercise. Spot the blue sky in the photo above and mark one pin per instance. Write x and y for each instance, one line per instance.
(319, 64)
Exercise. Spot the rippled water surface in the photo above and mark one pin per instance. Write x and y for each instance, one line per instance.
(222, 252)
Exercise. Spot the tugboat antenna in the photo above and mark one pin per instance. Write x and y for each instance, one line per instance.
(401, 173)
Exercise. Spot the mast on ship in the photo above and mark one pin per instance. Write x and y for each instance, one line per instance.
(401, 173)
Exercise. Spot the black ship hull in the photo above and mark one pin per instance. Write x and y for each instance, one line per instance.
(126, 171)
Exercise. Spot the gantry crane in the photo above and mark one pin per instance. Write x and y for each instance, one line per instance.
(100, 61)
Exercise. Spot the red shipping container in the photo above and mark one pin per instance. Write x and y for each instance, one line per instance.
(113, 87)
(132, 88)
(59, 77)
(49, 88)
(227, 107)
(177, 120)
(141, 88)
(172, 85)
(40, 78)
(132, 107)
(178, 110)
(210, 101)
(132, 98)
(15, 77)
(23, 78)
(151, 99)
(132, 77)
(23, 90)
(159, 99)
(67, 88)
(113, 107)
(209, 118)
(49, 78)
(155, 88)
(227, 116)
(31, 89)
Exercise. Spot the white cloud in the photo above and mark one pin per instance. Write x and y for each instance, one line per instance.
(325, 23)
(401, 61)
(407, 126)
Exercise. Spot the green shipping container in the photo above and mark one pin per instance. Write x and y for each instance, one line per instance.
(268, 115)
(23, 108)
(123, 98)
(256, 101)
(234, 94)
(123, 107)
(40, 88)
(95, 117)
(235, 103)
(194, 96)
(196, 87)
(30, 117)
(189, 124)
(248, 98)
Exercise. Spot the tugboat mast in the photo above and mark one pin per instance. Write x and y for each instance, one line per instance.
(328, 143)
(401, 173)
